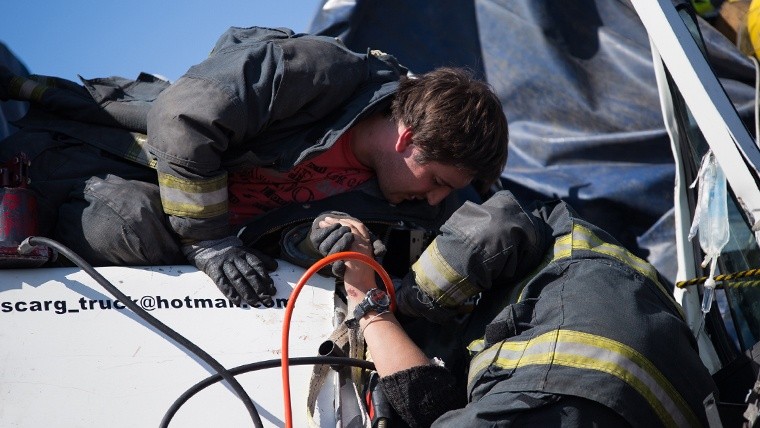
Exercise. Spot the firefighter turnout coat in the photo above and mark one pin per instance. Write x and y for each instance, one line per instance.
(564, 311)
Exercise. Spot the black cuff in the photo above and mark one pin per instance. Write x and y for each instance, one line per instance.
(421, 394)
(415, 303)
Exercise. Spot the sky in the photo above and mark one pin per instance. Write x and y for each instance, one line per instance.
(102, 38)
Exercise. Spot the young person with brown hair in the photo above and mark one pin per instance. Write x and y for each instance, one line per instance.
(269, 119)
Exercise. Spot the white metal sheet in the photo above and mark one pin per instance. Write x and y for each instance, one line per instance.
(72, 356)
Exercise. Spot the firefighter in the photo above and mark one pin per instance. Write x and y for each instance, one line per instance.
(570, 329)
(270, 118)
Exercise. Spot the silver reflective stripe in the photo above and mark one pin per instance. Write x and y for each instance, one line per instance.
(193, 198)
(476, 346)
(591, 352)
(584, 238)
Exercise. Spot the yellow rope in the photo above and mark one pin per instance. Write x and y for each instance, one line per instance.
(726, 277)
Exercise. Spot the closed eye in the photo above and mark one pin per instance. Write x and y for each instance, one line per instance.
(440, 183)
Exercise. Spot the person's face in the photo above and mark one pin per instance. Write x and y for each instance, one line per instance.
(402, 178)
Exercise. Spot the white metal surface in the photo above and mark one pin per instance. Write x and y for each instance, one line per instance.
(70, 356)
(688, 298)
(709, 104)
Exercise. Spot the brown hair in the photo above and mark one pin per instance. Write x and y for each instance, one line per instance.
(456, 120)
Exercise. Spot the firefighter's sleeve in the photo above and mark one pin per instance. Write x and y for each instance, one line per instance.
(480, 246)
(190, 126)
(422, 394)
(226, 104)
(187, 146)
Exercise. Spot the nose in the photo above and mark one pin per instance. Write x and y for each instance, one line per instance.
(434, 197)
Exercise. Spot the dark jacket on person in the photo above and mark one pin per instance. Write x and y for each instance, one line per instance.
(263, 97)
(565, 311)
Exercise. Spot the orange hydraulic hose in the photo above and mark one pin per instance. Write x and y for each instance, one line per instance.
(292, 302)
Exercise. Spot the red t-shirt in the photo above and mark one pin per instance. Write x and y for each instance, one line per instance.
(257, 190)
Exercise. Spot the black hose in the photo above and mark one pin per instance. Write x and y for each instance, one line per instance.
(267, 364)
(223, 373)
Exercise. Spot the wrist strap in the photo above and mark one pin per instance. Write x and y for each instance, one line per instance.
(361, 332)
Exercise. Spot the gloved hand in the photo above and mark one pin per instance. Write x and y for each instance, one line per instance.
(337, 238)
(239, 272)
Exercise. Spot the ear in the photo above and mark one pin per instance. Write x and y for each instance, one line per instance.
(405, 139)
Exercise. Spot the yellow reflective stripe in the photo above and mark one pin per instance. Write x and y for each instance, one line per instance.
(587, 351)
(194, 211)
(585, 239)
(626, 363)
(507, 355)
(193, 198)
(26, 89)
(476, 346)
(137, 152)
(582, 238)
(439, 280)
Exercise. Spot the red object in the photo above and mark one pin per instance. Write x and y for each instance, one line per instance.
(18, 216)
(258, 190)
(345, 255)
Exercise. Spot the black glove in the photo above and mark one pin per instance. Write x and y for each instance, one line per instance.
(239, 272)
(337, 238)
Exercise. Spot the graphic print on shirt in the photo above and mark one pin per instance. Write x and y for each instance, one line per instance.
(257, 190)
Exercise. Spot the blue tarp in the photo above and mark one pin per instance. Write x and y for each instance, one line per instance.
(579, 91)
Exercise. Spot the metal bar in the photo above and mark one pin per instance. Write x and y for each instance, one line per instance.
(709, 104)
